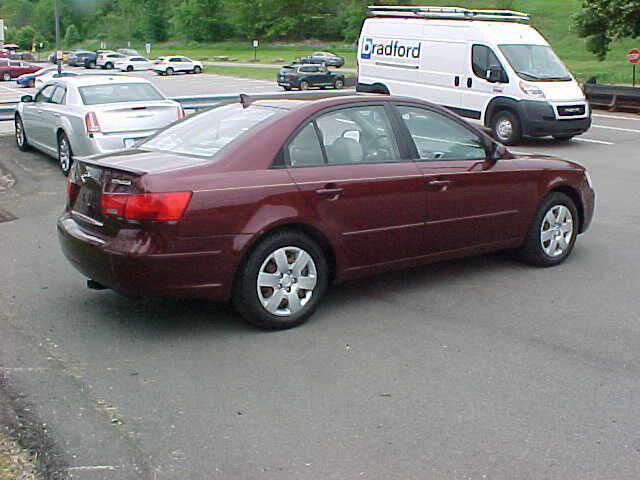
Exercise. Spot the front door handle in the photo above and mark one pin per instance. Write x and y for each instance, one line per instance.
(439, 183)
(335, 191)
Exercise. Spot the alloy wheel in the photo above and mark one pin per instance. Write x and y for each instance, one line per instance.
(286, 281)
(556, 230)
(64, 154)
(19, 133)
(504, 129)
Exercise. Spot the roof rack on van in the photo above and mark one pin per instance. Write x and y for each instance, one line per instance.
(446, 13)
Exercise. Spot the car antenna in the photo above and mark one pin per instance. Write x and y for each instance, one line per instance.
(245, 100)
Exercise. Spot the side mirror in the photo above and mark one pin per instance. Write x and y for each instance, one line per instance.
(495, 152)
(26, 98)
(494, 74)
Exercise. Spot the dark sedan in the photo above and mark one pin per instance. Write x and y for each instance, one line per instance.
(304, 77)
(78, 58)
(268, 202)
(329, 59)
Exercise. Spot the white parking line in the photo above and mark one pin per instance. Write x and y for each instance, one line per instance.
(591, 140)
(619, 129)
(615, 117)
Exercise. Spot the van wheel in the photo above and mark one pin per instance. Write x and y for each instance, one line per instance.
(282, 282)
(553, 232)
(506, 128)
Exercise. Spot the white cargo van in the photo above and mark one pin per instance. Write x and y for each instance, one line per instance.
(486, 65)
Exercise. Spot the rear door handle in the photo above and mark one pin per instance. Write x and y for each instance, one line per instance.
(335, 191)
(439, 183)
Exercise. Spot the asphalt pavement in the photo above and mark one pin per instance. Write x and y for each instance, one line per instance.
(480, 368)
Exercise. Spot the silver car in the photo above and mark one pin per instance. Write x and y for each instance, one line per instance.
(91, 114)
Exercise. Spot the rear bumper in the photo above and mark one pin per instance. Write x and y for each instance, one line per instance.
(193, 268)
(100, 143)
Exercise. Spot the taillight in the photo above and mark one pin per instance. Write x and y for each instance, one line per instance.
(72, 191)
(91, 124)
(181, 113)
(145, 206)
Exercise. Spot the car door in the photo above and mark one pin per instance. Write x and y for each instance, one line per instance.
(470, 203)
(34, 117)
(52, 113)
(478, 91)
(368, 196)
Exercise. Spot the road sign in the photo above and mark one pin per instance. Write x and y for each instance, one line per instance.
(1, 30)
(147, 47)
(633, 55)
(255, 44)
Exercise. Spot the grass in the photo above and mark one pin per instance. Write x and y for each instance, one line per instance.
(15, 462)
(243, 72)
(553, 18)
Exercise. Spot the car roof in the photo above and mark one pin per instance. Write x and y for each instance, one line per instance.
(99, 79)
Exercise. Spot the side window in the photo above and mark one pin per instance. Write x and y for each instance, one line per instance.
(174, 59)
(59, 96)
(44, 95)
(358, 135)
(305, 150)
(438, 137)
(482, 59)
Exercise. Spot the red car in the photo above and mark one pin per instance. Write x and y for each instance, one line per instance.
(268, 202)
(10, 69)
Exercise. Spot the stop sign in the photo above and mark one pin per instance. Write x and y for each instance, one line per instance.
(633, 55)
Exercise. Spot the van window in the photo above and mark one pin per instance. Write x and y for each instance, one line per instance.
(438, 137)
(482, 59)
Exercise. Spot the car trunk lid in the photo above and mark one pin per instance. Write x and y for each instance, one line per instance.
(136, 116)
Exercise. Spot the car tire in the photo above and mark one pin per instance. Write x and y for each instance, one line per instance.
(168, 71)
(65, 154)
(130, 68)
(21, 135)
(288, 89)
(553, 232)
(197, 69)
(108, 66)
(256, 303)
(506, 127)
(338, 84)
(304, 85)
(6, 77)
(563, 138)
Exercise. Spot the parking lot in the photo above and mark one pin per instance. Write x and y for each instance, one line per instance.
(474, 369)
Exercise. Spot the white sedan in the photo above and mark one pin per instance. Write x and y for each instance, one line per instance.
(129, 64)
(42, 79)
(174, 64)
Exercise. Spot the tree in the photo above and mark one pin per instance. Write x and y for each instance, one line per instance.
(72, 35)
(602, 21)
(201, 20)
(25, 37)
(154, 22)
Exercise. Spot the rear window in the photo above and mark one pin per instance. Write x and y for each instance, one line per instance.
(119, 92)
(206, 133)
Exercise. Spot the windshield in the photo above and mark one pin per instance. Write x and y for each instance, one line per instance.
(119, 92)
(204, 134)
(535, 62)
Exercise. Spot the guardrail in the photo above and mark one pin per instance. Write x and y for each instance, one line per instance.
(613, 97)
(198, 102)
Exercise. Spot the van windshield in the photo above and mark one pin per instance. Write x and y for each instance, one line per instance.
(536, 63)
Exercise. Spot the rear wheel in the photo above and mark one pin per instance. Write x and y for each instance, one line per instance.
(506, 127)
(6, 76)
(65, 155)
(553, 232)
(130, 68)
(304, 85)
(197, 69)
(338, 84)
(21, 135)
(282, 281)
(169, 71)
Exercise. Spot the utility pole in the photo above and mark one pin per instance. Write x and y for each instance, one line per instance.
(58, 55)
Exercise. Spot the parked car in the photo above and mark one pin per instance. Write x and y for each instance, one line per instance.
(29, 79)
(486, 65)
(129, 52)
(174, 64)
(329, 59)
(52, 56)
(10, 69)
(89, 60)
(308, 76)
(129, 64)
(108, 60)
(77, 57)
(268, 202)
(51, 74)
(91, 114)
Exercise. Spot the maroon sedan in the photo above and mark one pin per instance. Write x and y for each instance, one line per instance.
(10, 69)
(268, 202)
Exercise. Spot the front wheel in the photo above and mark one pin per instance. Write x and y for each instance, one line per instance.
(282, 281)
(339, 84)
(169, 71)
(21, 135)
(304, 85)
(108, 66)
(553, 232)
(65, 154)
(6, 76)
(506, 128)
(197, 69)
(130, 68)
